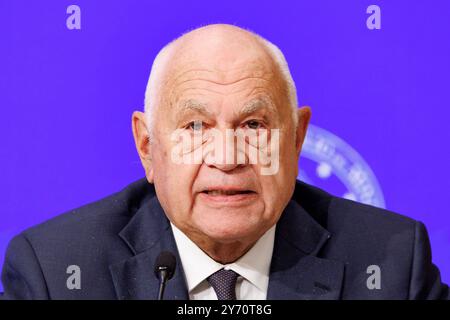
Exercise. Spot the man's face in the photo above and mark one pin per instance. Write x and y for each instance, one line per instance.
(214, 200)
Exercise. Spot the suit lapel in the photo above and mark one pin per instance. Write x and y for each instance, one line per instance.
(147, 234)
(296, 271)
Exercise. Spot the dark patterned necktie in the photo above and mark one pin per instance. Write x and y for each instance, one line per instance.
(224, 284)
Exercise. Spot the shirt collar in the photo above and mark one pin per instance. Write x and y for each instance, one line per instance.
(254, 266)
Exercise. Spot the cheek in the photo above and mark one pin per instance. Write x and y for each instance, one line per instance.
(173, 184)
(175, 181)
(273, 191)
(277, 189)
(288, 156)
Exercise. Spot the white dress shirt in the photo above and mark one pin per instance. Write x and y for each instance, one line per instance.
(253, 268)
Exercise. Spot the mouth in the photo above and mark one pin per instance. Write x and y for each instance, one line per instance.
(229, 196)
(219, 192)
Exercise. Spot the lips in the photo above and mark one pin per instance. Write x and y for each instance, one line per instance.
(221, 192)
(228, 196)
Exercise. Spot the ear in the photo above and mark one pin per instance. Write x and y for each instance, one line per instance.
(304, 115)
(142, 142)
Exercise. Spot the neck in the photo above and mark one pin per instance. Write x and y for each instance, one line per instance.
(223, 252)
(226, 253)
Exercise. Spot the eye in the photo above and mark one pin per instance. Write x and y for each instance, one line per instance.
(254, 124)
(196, 125)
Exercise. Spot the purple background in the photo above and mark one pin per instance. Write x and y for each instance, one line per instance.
(66, 96)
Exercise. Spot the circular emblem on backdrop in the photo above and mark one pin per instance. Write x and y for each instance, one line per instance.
(330, 163)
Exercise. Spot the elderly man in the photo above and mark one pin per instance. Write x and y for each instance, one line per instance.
(220, 141)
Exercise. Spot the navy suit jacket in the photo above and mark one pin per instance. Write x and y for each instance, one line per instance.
(323, 248)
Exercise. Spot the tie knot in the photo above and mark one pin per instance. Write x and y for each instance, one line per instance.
(224, 284)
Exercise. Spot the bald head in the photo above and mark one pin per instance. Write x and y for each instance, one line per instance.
(221, 49)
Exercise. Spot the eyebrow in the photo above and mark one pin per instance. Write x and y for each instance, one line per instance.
(256, 105)
(194, 105)
(249, 107)
(188, 106)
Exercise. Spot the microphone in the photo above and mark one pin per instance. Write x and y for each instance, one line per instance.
(164, 269)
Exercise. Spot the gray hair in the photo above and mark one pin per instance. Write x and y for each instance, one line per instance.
(154, 84)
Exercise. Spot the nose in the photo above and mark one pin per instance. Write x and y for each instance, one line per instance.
(224, 166)
(222, 153)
